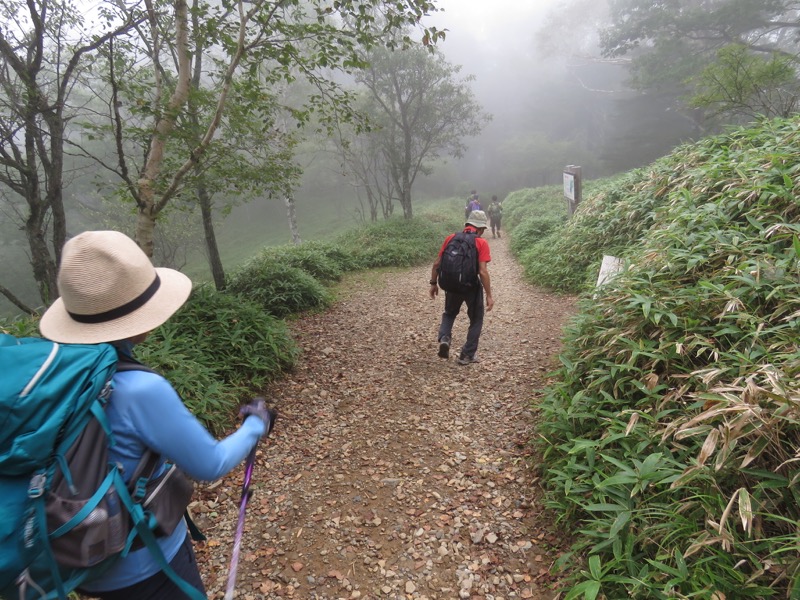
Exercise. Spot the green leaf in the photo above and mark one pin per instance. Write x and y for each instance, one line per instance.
(619, 523)
(604, 507)
(587, 589)
(594, 567)
(664, 568)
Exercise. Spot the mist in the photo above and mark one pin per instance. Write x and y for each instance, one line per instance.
(535, 70)
(563, 105)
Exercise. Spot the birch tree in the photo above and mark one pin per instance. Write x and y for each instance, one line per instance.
(260, 40)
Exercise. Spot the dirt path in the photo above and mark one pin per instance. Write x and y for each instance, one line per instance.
(393, 473)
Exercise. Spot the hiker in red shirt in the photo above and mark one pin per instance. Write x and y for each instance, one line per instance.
(471, 294)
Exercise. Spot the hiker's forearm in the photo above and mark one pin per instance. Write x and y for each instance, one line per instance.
(487, 283)
(435, 268)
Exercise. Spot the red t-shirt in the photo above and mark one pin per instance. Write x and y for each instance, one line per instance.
(481, 245)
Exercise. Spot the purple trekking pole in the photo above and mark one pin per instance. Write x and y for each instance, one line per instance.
(246, 493)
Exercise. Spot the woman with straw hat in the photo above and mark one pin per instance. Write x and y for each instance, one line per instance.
(110, 292)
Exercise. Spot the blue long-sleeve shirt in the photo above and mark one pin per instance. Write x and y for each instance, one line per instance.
(145, 412)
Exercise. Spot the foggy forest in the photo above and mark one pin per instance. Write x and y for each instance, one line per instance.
(302, 161)
(536, 93)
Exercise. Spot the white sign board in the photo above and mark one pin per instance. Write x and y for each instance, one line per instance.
(569, 186)
(610, 266)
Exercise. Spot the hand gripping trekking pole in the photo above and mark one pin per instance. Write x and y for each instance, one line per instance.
(237, 539)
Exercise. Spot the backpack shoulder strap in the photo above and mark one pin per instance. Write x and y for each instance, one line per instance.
(147, 465)
(128, 363)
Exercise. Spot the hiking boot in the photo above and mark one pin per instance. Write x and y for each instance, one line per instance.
(444, 347)
(465, 360)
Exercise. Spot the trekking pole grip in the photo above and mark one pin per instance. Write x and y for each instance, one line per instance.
(258, 407)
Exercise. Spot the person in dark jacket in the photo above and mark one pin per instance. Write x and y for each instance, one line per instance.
(495, 213)
(475, 225)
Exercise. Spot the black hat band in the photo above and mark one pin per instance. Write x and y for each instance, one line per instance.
(121, 311)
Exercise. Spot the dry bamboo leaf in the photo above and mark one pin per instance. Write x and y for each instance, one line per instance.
(756, 448)
(751, 392)
(746, 511)
(632, 423)
(703, 540)
(687, 432)
(651, 381)
(683, 477)
(724, 453)
(792, 316)
(710, 414)
(733, 305)
(727, 512)
(708, 375)
(709, 446)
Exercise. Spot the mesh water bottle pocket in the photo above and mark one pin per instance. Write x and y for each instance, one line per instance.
(102, 533)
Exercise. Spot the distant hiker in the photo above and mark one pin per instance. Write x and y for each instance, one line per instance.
(495, 212)
(110, 292)
(473, 203)
(461, 271)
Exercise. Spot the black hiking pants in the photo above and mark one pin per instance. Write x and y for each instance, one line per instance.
(475, 311)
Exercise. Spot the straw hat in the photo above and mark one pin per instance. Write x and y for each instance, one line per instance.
(477, 218)
(110, 291)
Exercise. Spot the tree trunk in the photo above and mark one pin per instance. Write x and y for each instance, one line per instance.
(291, 213)
(373, 205)
(55, 187)
(405, 202)
(148, 207)
(16, 301)
(41, 202)
(44, 267)
(214, 259)
(145, 219)
(203, 197)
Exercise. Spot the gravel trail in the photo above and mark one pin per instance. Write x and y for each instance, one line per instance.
(392, 473)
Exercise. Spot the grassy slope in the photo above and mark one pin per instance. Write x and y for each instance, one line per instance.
(671, 433)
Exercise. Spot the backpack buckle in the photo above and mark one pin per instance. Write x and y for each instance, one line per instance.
(36, 487)
(139, 489)
(105, 393)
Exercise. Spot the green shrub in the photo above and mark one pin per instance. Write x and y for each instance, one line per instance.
(532, 230)
(279, 289)
(397, 242)
(614, 215)
(217, 348)
(671, 431)
(206, 395)
(20, 326)
(528, 205)
(325, 262)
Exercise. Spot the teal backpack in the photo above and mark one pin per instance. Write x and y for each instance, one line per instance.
(66, 513)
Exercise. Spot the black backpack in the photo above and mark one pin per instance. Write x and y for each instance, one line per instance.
(458, 270)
